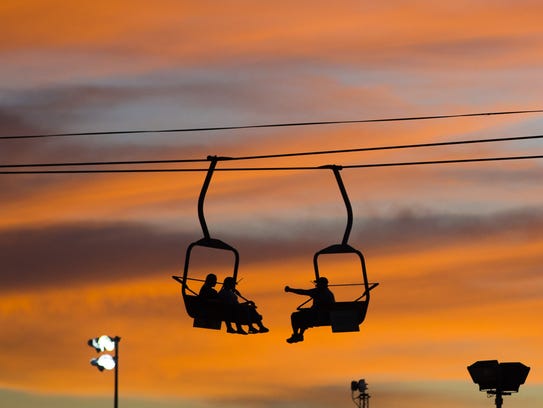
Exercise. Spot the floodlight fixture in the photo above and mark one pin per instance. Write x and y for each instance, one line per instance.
(104, 362)
(103, 343)
(359, 385)
(498, 378)
(362, 400)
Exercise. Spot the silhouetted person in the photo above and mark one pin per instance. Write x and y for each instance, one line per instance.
(207, 291)
(239, 312)
(322, 297)
(210, 309)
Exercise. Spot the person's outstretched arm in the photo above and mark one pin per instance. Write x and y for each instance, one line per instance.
(306, 292)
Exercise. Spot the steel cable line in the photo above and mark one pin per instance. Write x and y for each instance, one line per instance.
(271, 125)
(291, 168)
(279, 155)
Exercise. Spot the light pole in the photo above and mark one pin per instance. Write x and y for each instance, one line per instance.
(362, 400)
(498, 379)
(106, 361)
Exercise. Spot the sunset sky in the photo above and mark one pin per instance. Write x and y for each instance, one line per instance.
(456, 248)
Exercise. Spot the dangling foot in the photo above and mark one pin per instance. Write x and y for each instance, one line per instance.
(295, 338)
(240, 331)
(263, 329)
(230, 329)
(252, 329)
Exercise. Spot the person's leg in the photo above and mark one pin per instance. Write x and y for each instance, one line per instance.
(303, 323)
(294, 321)
(297, 333)
(240, 317)
(231, 314)
(255, 317)
(229, 328)
(261, 327)
(239, 329)
(248, 312)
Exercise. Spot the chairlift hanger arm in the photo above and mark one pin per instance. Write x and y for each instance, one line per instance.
(201, 198)
(201, 217)
(336, 169)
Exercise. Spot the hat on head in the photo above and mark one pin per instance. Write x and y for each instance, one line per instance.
(321, 281)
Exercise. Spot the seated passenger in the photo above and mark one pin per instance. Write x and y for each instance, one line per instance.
(240, 313)
(302, 319)
(207, 291)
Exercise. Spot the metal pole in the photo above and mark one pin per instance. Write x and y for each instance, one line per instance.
(116, 393)
(499, 399)
(363, 400)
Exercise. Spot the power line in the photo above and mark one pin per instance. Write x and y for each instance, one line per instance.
(271, 125)
(279, 155)
(104, 163)
(292, 168)
(451, 161)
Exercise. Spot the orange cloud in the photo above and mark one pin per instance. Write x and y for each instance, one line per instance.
(207, 30)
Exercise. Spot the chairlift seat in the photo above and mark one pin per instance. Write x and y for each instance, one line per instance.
(207, 313)
(340, 316)
(347, 316)
(210, 313)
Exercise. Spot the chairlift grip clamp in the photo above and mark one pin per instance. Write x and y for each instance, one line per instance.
(331, 167)
(218, 158)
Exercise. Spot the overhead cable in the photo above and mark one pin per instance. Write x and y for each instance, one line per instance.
(291, 168)
(279, 155)
(270, 125)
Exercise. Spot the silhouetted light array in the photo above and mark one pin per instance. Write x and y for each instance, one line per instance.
(107, 361)
(362, 399)
(498, 378)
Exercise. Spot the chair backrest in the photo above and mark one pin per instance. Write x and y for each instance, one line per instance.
(192, 305)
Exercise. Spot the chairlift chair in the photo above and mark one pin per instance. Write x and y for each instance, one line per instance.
(343, 316)
(207, 313)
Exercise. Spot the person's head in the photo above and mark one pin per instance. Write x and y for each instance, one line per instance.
(229, 282)
(321, 282)
(211, 279)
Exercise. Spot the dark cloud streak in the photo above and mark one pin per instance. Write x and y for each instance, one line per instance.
(84, 252)
(63, 255)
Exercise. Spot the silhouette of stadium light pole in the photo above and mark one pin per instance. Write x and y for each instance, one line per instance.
(362, 400)
(106, 361)
(498, 379)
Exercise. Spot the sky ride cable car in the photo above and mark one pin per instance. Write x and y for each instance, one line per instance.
(207, 314)
(344, 316)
